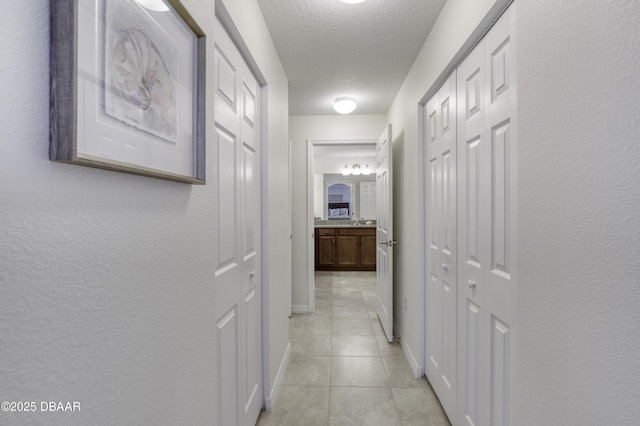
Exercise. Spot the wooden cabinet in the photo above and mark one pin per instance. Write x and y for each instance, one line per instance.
(325, 247)
(345, 249)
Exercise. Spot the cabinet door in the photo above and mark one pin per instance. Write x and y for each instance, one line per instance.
(325, 247)
(326, 250)
(347, 248)
(368, 250)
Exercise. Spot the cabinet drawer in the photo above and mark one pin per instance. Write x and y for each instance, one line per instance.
(325, 232)
(356, 231)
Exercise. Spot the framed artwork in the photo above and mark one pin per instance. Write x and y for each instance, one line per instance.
(128, 87)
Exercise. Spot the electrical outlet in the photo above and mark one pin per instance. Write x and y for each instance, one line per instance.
(405, 303)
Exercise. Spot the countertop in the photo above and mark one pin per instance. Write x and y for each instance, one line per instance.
(343, 224)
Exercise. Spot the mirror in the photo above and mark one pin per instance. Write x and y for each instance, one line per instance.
(339, 205)
(329, 161)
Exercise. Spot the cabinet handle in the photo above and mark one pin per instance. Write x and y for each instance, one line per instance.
(252, 274)
(472, 284)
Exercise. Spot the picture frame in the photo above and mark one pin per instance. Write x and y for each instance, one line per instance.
(127, 88)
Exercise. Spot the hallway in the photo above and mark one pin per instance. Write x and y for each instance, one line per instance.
(341, 369)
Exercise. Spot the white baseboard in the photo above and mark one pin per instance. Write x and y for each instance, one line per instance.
(417, 369)
(300, 309)
(268, 401)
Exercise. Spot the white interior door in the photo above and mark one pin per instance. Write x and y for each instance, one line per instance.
(384, 232)
(237, 178)
(486, 223)
(441, 273)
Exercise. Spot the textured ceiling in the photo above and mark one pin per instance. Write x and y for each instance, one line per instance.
(329, 48)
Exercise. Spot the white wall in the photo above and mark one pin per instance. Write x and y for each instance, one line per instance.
(107, 295)
(579, 180)
(248, 19)
(302, 128)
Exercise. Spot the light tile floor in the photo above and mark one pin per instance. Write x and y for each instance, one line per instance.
(341, 369)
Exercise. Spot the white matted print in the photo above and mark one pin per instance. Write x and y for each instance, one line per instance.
(141, 72)
(128, 88)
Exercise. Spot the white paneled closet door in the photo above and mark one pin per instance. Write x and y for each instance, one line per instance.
(486, 83)
(237, 216)
(441, 290)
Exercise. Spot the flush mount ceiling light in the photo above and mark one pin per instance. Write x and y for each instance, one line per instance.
(344, 105)
(155, 5)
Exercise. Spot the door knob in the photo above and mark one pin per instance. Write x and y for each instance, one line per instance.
(472, 284)
(445, 267)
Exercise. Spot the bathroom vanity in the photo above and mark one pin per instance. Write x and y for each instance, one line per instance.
(345, 246)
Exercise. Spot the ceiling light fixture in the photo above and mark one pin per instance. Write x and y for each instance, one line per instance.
(352, 1)
(344, 105)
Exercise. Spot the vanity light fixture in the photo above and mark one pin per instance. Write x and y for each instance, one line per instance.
(355, 169)
(344, 105)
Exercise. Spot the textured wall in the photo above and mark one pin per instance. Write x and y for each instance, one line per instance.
(579, 242)
(107, 295)
(106, 291)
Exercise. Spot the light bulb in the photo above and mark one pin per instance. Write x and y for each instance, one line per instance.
(344, 105)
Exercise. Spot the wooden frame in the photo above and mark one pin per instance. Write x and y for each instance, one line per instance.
(157, 128)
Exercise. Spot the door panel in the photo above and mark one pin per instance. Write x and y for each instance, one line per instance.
(499, 383)
(384, 232)
(228, 370)
(237, 216)
(441, 291)
(487, 203)
(500, 247)
(469, 402)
